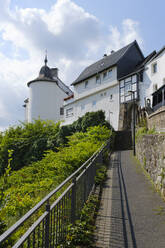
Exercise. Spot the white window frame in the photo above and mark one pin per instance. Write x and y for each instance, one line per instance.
(109, 74)
(98, 79)
(105, 75)
(69, 112)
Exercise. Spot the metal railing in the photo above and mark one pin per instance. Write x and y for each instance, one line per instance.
(50, 228)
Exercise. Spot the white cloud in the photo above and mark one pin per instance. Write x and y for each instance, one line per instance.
(129, 32)
(72, 37)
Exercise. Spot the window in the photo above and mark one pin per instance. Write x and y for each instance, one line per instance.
(94, 103)
(105, 93)
(61, 111)
(69, 112)
(105, 75)
(126, 85)
(134, 87)
(109, 73)
(98, 79)
(86, 84)
(122, 99)
(111, 97)
(122, 83)
(134, 79)
(82, 107)
(122, 91)
(127, 80)
(154, 68)
(127, 88)
(141, 77)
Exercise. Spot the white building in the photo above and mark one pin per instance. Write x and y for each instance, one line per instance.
(111, 84)
(46, 95)
(154, 78)
(97, 87)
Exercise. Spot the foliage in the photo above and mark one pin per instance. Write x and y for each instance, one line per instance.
(4, 179)
(26, 187)
(142, 122)
(143, 130)
(90, 119)
(28, 142)
(101, 175)
(81, 234)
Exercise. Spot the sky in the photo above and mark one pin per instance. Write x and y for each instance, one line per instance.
(75, 34)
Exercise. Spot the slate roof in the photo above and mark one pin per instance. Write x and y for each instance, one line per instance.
(45, 74)
(141, 65)
(103, 64)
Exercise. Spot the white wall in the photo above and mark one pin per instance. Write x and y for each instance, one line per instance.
(150, 78)
(81, 91)
(45, 100)
(99, 101)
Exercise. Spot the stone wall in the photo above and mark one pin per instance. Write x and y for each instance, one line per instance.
(157, 119)
(150, 151)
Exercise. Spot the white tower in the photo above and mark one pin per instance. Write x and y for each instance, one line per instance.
(46, 95)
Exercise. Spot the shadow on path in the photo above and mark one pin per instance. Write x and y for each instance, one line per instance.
(127, 217)
(120, 212)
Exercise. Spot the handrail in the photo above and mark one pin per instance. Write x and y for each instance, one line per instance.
(21, 221)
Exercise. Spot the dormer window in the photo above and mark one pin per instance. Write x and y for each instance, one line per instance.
(154, 68)
(98, 79)
(86, 84)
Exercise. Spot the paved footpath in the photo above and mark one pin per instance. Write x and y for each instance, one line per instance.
(131, 213)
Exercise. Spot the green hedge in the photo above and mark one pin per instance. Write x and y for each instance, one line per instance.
(27, 186)
(29, 141)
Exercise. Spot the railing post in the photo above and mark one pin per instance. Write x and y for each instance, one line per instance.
(85, 184)
(47, 225)
(73, 201)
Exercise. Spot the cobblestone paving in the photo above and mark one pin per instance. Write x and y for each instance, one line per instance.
(127, 216)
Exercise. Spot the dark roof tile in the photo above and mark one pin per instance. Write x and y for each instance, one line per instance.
(104, 63)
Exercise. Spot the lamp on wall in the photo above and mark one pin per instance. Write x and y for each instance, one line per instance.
(133, 94)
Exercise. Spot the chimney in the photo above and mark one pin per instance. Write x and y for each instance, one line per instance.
(112, 51)
(105, 55)
(54, 72)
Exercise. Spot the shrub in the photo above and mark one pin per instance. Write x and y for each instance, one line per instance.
(28, 142)
(28, 185)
